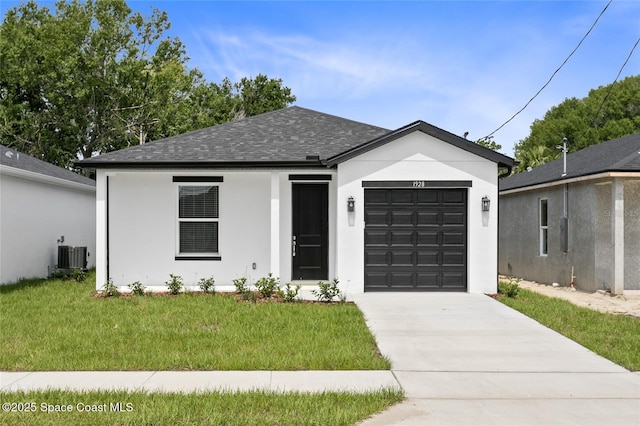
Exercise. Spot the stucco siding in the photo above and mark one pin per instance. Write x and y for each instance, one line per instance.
(418, 156)
(590, 248)
(143, 236)
(34, 214)
(632, 235)
(254, 228)
(520, 253)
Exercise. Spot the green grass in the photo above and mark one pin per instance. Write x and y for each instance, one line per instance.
(49, 325)
(615, 337)
(211, 408)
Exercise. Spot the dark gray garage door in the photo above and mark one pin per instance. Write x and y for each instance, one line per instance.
(415, 240)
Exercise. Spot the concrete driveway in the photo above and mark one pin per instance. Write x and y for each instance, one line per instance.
(466, 359)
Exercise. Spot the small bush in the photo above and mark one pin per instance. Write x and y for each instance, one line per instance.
(511, 288)
(207, 285)
(242, 288)
(267, 285)
(78, 275)
(327, 291)
(137, 288)
(289, 294)
(109, 289)
(241, 285)
(175, 284)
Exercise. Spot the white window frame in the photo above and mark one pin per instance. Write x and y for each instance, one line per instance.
(543, 227)
(191, 255)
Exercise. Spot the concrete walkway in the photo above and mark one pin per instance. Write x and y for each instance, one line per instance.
(195, 381)
(467, 359)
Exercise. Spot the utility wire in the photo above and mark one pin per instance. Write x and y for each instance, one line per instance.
(554, 73)
(604, 100)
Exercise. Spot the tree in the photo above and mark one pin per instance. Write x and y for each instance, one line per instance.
(95, 77)
(488, 142)
(608, 112)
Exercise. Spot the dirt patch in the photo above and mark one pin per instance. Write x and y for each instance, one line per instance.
(626, 304)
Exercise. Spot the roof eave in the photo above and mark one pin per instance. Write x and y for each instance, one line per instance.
(309, 164)
(607, 174)
(501, 159)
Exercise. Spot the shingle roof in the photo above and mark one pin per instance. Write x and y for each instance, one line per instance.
(617, 155)
(12, 158)
(284, 136)
(292, 136)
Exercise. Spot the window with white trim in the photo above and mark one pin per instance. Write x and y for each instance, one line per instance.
(544, 228)
(198, 215)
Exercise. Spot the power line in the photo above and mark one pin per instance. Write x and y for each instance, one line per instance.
(604, 100)
(554, 73)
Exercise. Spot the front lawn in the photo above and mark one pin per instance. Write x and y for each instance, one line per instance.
(615, 337)
(209, 408)
(49, 325)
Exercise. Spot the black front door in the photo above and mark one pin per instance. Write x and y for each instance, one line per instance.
(309, 245)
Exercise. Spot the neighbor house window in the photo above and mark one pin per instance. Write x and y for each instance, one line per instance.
(544, 229)
(198, 214)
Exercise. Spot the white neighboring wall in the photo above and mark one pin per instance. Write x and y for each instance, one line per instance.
(414, 157)
(35, 211)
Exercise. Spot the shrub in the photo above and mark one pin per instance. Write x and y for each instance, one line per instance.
(137, 288)
(289, 294)
(207, 285)
(78, 275)
(511, 288)
(267, 285)
(242, 288)
(327, 291)
(175, 284)
(241, 285)
(109, 289)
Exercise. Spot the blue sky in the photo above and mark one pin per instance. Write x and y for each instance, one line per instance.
(464, 66)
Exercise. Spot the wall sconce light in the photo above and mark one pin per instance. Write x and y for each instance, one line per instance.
(351, 204)
(486, 204)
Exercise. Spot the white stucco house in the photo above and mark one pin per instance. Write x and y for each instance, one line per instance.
(42, 206)
(306, 196)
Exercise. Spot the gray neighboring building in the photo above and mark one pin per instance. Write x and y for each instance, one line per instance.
(600, 238)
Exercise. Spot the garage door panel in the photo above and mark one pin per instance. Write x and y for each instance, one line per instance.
(453, 239)
(428, 280)
(377, 279)
(427, 198)
(453, 218)
(376, 238)
(400, 197)
(428, 258)
(373, 197)
(428, 218)
(377, 218)
(415, 240)
(453, 259)
(402, 238)
(377, 258)
(427, 238)
(401, 279)
(401, 218)
(453, 280)
(402, 258)
(457, 197)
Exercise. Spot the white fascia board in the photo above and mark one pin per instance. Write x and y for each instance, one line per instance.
(598, 176)
(37, 177)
